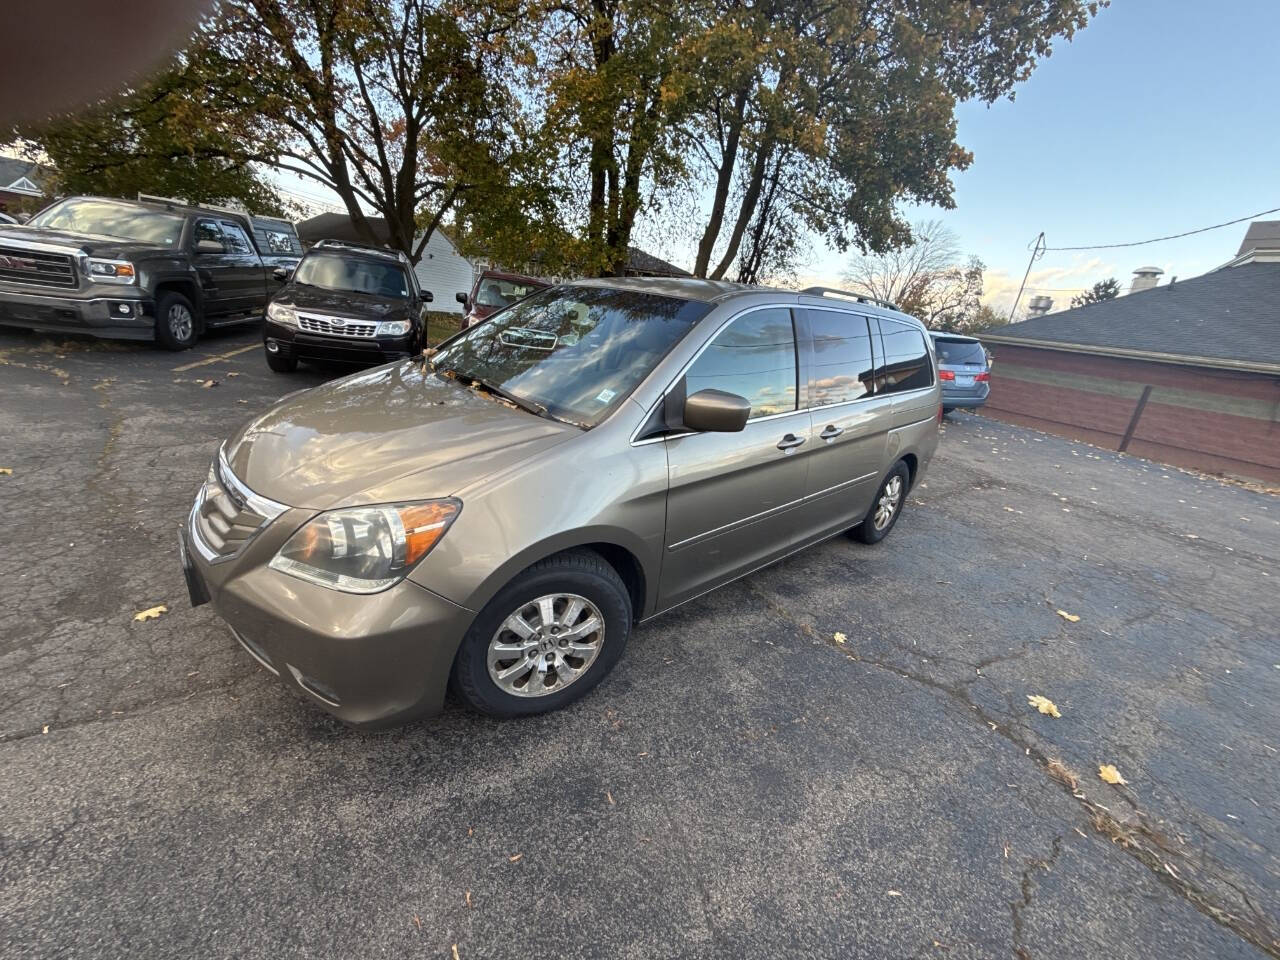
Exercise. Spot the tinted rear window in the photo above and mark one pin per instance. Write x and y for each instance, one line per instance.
(842, 368)
(906, 364)
(959, 351)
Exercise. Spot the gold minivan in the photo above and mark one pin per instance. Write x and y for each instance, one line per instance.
(499, 514)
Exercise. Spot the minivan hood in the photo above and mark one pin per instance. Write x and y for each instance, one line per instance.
(396, 432)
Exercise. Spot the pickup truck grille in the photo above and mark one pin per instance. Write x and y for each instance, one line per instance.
(337, 326)
(36, 268)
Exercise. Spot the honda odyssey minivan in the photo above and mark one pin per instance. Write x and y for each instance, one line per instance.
(498, 515)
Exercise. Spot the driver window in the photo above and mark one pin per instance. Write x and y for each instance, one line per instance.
(754, 357)
(206, 230)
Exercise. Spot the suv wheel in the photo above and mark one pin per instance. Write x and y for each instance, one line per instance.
(175, 321)
(886, 507)
(281, 364)
(546, 638)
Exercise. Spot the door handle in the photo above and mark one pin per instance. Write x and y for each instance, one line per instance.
(830, 432)
(790, 442)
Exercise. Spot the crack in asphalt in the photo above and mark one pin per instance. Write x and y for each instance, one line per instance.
(1027, 886)
(1138, 838)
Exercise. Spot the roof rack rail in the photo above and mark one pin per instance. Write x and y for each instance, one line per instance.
(849, 295)
(357, 245)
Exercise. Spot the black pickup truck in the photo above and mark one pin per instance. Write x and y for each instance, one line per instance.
(140, 270)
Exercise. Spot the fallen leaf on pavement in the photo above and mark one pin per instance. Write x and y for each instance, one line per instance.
(895, 893)
(6, 471)
(233, 374)
(1069, 617)
(455, 952)
(609, 797)
(208, 383)
(1044, 705)
(417, 921)
(1109, 774)
(840, 638)
(151, 613)
(1058, 770)
(46, 729)
(515, 857)
(468, 899)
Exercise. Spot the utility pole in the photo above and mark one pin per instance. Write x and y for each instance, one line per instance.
(1037, 251)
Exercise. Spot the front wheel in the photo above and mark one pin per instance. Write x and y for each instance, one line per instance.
(546, 638)
(886, 507)
(281, 364)
(175, 322)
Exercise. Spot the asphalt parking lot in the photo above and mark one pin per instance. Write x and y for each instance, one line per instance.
(743, 785)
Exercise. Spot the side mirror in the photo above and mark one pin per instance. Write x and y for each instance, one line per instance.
(209, 246)
(715, 411)
(282, 274)
(461, 298)
(427, 296)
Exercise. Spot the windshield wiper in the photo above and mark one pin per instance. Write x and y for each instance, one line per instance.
(532, 406)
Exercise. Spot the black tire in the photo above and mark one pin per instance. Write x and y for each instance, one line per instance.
(281, 364)
(579, 572)
(867, 531)
(172, 332)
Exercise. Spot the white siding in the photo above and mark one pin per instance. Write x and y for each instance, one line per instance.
(444, 272)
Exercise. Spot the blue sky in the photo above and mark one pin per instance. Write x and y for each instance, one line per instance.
(1159, 117)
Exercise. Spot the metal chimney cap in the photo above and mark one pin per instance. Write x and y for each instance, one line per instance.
(1148, 271)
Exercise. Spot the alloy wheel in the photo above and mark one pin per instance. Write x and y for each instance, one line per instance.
(887, 505)
(545, 645)
(180, 322)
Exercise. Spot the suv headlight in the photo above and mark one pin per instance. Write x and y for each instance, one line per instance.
(282, 314)
(365, 549)
(110, 271)
(393, 328)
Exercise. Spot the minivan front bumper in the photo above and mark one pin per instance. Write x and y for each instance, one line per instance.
(371, 660)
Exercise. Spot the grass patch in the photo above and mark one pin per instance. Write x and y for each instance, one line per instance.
(441, 325)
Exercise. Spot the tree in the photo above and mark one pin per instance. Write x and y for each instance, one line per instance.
(394, 105)
(983, 318)
(860, 99)
(156, 139)
(927, 278)
(1107, 289)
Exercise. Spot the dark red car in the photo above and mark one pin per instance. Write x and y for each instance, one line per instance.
(493, 291)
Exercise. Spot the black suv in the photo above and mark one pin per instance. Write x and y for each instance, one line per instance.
(140, 270)
(346, 303)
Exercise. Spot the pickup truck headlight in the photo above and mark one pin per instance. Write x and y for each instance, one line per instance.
(365, 549)
(393, 328)
(110, 271)
(282, 314)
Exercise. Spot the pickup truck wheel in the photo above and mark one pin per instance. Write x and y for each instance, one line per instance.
(175, 321)
(281, 364)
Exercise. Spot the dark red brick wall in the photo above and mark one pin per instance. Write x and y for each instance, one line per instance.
(1187, 432)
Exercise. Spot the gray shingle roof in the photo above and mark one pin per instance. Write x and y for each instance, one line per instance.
(12, 169)
(1230, 317)
(1262, 234)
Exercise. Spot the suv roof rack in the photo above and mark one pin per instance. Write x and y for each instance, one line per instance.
(849, 295)
(363, 247)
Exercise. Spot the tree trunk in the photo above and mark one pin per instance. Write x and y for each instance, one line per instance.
(724, 180)
(746, 208)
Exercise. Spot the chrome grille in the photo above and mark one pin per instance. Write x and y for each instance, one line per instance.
(38, 268)
(336, 326)
(227, 515)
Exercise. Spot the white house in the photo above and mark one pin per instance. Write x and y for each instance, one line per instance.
(442, 269)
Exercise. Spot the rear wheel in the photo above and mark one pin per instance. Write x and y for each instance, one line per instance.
(886, 507)
(281, 364)
(546, 639)
(175, 321)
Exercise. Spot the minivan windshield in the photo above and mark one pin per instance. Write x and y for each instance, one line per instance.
(109, 218)
(571, 352)
(959, 351)
(333, 271)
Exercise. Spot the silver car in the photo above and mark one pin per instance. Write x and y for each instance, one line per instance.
(964, 370)
(499, 514)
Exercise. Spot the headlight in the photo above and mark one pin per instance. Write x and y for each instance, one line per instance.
(282, 314)
(393, 328)
(110, 271)
(365, 549)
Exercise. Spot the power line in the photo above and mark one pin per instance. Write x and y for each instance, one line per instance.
(1174, 236)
